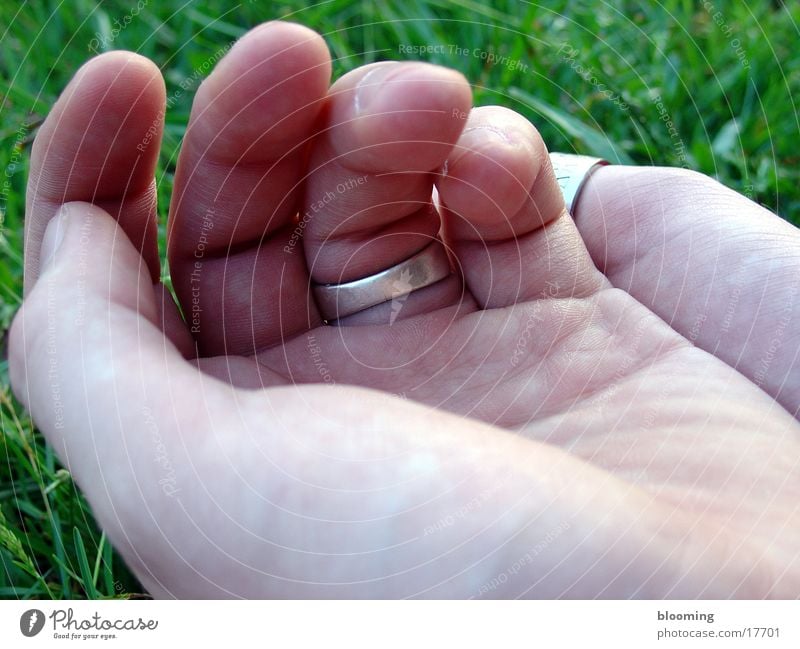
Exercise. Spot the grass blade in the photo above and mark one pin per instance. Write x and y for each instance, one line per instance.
(83, 564)
(596, 142)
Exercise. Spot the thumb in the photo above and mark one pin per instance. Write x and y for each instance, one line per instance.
(86, 351)
(94, 284)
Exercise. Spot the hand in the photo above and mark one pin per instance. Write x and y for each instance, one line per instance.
(541, 433)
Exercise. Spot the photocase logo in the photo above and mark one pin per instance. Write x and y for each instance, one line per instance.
(31, 622)
(401, 289)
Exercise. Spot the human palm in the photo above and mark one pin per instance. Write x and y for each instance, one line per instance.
(659, 468)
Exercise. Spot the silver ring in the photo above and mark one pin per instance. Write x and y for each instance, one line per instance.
(426, 267)
(571, 171)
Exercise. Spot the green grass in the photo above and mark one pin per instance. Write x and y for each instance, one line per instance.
(725, 83)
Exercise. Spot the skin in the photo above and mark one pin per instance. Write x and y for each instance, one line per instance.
(604, 407)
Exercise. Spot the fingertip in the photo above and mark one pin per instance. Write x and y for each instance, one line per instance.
(290, 46)
(97, 256)
(275, 75)
(412, 84)
(398, 116)
(498, 179)
(131, 75)
(100, 143)
(87, 259)
(286, 33)
(112, 108)
(488, 177)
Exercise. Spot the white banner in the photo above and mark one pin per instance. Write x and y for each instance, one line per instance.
(401, 625)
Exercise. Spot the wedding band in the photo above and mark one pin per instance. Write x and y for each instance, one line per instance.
(426, 267)
(431, 264)
(572, 171)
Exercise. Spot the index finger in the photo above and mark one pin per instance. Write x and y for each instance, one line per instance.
(100, 144)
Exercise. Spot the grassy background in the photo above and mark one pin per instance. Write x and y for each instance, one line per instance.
(706, 85)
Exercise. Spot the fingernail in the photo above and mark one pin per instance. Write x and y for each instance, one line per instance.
(370, 85)
(483, 131)
(473, 138)
(54, 237)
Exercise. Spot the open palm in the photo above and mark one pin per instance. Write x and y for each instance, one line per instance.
(532, 427)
